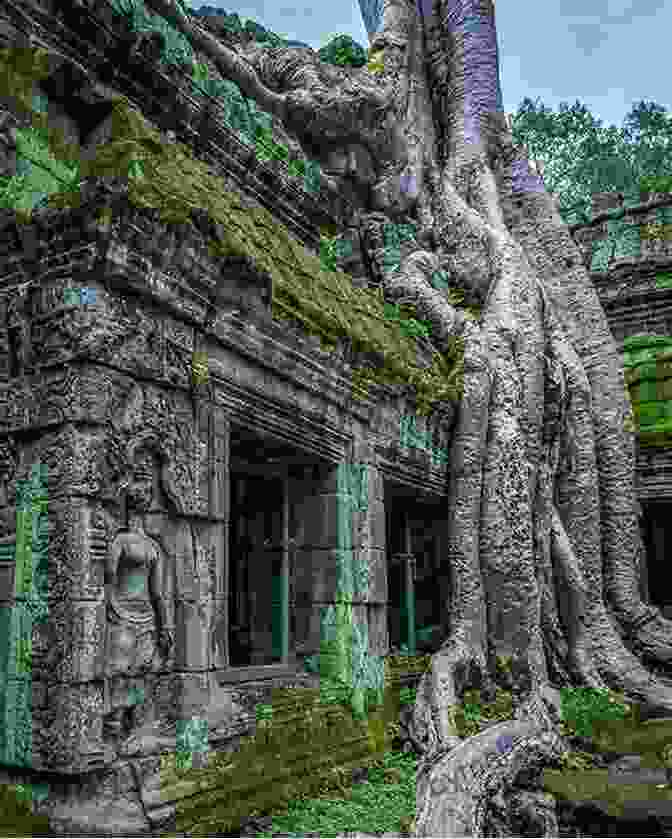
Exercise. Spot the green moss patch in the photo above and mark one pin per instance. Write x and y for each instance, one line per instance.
(165, 176)
(648, 376)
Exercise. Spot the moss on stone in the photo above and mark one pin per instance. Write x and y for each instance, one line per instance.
(648, 376)
(165, 176)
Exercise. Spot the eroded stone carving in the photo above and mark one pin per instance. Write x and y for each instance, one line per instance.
(18, 330)
(169, 429)
(8, 463)
(140, 628)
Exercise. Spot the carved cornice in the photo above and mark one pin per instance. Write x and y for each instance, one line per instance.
(170, 263)
(631, 277)
(415, 469)
(314, 433)
(632, 299)
(654, 473)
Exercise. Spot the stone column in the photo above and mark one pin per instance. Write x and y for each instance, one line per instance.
(369, 572)
(281, 589)
(378, 594)
(219, 506)
(68, 647)
(315, 578)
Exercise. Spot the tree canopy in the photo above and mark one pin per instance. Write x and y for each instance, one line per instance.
(582, 157)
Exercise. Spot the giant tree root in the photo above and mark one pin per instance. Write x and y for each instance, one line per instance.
(455, 786)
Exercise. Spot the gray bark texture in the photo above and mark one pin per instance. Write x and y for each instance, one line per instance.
(544, 543)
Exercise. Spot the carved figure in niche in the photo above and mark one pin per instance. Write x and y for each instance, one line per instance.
(138, 627)
(18, 331)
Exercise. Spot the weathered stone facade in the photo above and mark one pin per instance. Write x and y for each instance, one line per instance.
(632, 262)
(209, 478)
(192, 452)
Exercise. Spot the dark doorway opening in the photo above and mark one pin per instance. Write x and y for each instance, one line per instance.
(270, 482)
(418, 578)
(657, 534)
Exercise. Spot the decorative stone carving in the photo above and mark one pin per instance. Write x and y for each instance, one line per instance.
(150, 419)
(139, 624)
(8, 138)
(109, 329)
(18, 329)
(8, 463)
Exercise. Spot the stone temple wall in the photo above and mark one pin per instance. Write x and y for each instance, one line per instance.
(145, 388)
(193, 499)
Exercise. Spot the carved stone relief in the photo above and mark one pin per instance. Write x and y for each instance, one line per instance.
(8, 139)
(151, 418)
(8, 464)
(140, 623)
(113, 329)
(161, 567)
(18, 332)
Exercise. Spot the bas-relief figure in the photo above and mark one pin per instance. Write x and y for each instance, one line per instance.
(140, 632)
(160, 570)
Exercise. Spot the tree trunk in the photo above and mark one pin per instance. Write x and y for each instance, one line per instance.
(541, 489)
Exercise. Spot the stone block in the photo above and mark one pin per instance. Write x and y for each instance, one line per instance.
(378, 633)
(218, 640)
(219, 488)
(73, 742)
(192, 694)
(315, 574)
(75, 551)
(70, 645)
(378, 588)
(305, 619)
(321, 520)
(212, 543)
(377, 527)
(192, 634)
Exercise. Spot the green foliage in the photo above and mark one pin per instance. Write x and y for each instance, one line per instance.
(656, 184)
(582, 157)
(577, 761)
(580, 707)
(232, 23)
(409, 325)
(385, 804)
(177, 49)
(328, 253)
(266, 147)
(297, 168)
(16, 812)
(343, 51)
(39, 173)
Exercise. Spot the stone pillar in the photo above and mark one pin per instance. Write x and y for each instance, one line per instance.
(378, 594)
(369, 571)
(68, 647)
(407, 560)
(281, 586)
(220, 486)
(315, 579)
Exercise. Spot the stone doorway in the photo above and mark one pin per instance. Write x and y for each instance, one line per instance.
(657, 533)
(418, 579)
(275, 558)
(256, 572)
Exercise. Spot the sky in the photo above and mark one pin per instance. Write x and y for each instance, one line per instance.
(607, 53)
